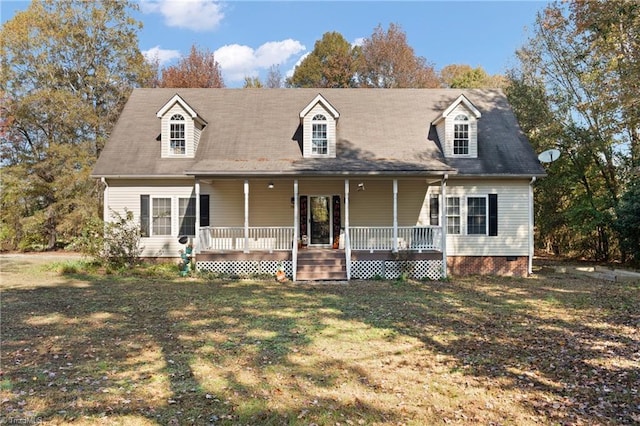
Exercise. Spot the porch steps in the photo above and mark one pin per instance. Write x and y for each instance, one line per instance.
(321, 265)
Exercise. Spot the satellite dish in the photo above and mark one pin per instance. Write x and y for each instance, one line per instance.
(549, 156)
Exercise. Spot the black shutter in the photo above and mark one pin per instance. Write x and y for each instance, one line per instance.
(336, 217)
(204, 209)
(303, 215)
(493, 215)
(144, 216)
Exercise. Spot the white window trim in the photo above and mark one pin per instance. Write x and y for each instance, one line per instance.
(486, 213)
(467, 122)
(431, 193)
(172, 122)
(151, 216)
(324, 122)
(460, 214)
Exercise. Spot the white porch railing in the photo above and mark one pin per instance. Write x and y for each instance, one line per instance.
(274, 238)
(269, 238)
(380, 238)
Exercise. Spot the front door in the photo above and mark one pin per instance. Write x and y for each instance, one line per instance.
(320, 220)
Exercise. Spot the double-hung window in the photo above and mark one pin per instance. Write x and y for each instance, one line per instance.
(161, 216)
(476, 215)
(319, 141)
(461, 135)
(453, 215)
(177, 141)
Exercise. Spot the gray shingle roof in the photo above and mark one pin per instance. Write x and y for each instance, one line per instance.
(257, 132)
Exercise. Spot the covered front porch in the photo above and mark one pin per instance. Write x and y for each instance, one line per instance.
(340, 229)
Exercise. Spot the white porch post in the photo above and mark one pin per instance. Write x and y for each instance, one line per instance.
(443, 222)
(347, 239)
(246, 216)
(395, 215)
(296, 229)
(196, 241)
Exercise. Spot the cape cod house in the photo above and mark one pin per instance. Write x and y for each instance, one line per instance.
(326, 183)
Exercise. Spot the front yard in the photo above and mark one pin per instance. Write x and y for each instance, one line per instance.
(146, 348)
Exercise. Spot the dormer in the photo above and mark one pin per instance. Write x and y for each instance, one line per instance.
(457, 129)
(181, 127)
(319, 121)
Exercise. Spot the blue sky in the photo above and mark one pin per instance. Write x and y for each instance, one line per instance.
(248, 37)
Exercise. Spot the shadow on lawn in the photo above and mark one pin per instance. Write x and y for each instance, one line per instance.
(575, 340)
(166, 352)
(176, 352)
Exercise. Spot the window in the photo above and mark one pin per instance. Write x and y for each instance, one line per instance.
(319, 134)
(453, 215)
(187, 216)
(177, 145)
(461, 135)
(161, 216)
(476, 215)
(434, 210)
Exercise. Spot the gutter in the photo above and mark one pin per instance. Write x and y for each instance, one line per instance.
(319, 173)
(182, 176)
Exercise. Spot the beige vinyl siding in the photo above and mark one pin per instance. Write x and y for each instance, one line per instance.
(197, 132)
(373, 206)
(267, 207)
(513, 219)
(189, 133)
(447, 129)
(331, 132)
(125, 193)
(412, 196)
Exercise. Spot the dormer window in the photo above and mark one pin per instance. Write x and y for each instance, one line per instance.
(461, 135)
(177, 141)
(319, 120)
(319, 134)
(457, 129)
(180, 129)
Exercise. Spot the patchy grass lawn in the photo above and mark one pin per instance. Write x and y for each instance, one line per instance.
(147, 349)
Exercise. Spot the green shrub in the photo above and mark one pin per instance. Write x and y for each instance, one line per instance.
(116, 242)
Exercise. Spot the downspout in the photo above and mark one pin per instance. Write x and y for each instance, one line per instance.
(443, 222)
(531, 226)
(347, 240)
(197, 236)
(246, 216)
(296, 230)
(105, 200)
(395, 215)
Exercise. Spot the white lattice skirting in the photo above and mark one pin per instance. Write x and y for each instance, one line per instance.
(392, 269)
(245, 267)
(361, 269)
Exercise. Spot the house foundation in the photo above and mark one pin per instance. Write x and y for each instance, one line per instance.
(513, 266)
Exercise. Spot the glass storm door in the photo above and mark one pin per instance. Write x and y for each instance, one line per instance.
(320, 220)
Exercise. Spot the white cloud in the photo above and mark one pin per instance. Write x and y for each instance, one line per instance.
(358, 42)
(238, 61)
(163, 55)
(289, 73)
(196, 15)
